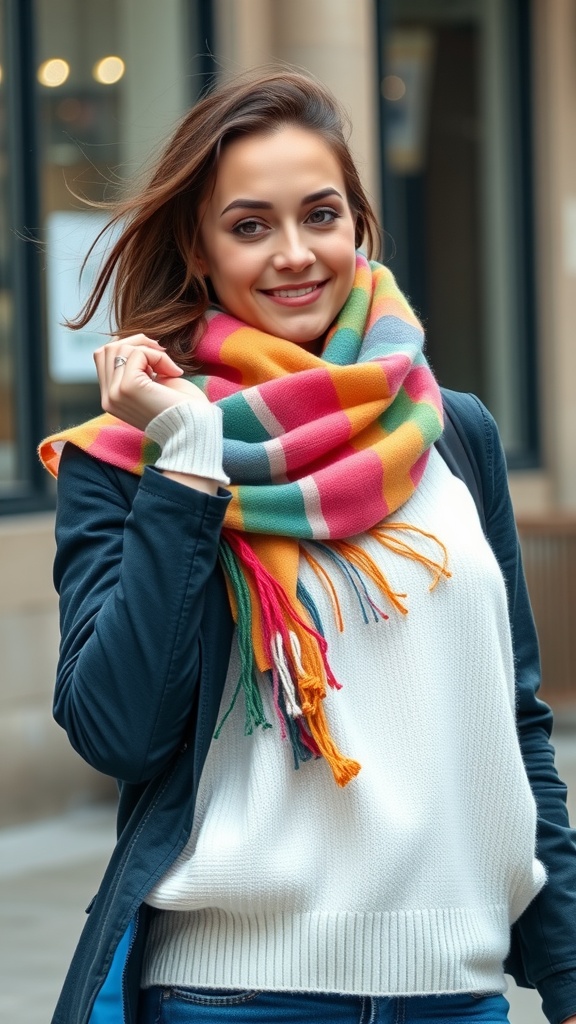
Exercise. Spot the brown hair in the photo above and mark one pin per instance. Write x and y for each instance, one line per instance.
(158, 286)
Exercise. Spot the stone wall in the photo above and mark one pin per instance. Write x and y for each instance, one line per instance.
(39, 772)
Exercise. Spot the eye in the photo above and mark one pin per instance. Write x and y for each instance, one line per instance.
(249, 229)
(322, 216)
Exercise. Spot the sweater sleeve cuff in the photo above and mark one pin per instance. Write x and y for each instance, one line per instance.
(191, 438)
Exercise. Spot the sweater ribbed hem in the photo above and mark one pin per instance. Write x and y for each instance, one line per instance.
(377, 954)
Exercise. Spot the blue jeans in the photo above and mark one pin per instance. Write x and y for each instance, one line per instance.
(211, 1006)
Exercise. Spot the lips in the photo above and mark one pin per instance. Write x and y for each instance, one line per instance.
(295, 294)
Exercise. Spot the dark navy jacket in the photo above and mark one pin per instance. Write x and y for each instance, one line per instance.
(146, 634)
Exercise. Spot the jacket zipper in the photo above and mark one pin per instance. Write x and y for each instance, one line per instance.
(128, 952)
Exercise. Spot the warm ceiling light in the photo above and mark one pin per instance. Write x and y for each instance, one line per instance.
(109, 70)
(1, 74)
(53, 72)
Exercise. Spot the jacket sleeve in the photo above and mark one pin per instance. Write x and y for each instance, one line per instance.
(545, 935)
(133, 563)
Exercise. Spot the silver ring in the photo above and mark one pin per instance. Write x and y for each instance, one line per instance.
(120, 361)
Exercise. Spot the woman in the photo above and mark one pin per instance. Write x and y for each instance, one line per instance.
(336, 609)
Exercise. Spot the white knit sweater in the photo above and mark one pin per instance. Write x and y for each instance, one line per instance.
(406, 881)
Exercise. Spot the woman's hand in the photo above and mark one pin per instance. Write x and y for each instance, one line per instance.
(145, 384)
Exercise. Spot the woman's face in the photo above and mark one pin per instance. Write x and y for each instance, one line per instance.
(277, 234)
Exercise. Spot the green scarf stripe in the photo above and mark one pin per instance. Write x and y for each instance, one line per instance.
(427, 419)
(275, 509)
(342, 349)
(404, 410)
(241, 422)
(401, 410)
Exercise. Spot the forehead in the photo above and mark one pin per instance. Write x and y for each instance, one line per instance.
(261, 166)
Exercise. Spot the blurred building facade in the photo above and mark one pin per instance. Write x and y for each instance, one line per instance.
(464, 128)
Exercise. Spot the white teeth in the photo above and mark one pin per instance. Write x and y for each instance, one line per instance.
(291, 293)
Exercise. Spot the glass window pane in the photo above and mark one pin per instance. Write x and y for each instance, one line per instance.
(453, 195)
(112, 79)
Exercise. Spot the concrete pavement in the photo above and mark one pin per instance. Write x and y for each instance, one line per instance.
(50, 870)
(48, 874)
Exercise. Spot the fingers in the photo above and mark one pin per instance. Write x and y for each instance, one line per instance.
(130, 372)
(122, 348)
(142, 357)
(135, 355)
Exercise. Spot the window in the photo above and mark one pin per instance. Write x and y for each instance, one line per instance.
(112, 78)
(456, 188)
(88, 90)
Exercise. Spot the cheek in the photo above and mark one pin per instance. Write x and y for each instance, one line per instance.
(233, 276)
(343, 249)
(236, 271)
(346, 264)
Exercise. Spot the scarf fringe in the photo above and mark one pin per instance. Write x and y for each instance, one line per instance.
(302, 744)
(368, 608)
(383, 533)
(297, 656)
(328, 587)
(357, 565)
(255, 715)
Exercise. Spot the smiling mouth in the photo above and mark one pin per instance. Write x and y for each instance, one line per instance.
(294, 291)
(289, 293)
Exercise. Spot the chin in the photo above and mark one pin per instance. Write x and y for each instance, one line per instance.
(308, 336)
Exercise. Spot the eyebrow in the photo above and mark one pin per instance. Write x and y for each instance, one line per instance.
(261, 204)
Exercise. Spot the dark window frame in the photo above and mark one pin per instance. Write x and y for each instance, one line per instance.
(33, 493)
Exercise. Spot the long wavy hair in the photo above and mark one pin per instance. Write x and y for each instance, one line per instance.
(157, 285)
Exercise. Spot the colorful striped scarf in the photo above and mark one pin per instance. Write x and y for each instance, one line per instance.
(318, 448)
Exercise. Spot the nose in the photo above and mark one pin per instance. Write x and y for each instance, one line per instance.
(293, 252)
